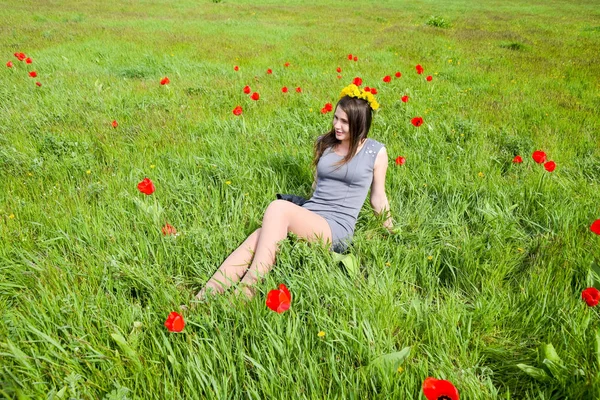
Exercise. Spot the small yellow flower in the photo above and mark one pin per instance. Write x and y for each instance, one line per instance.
(321, 334)
(245, 194)
(458, 63)
(450, 60)
(89, 171)
(520, 249)
(400, 370)
(11, 216)
(152, 166)
(228, 182)
(30, 174)
(424, 185)
(430, 258)
(480, 174)
(310, 109)
(387, 264)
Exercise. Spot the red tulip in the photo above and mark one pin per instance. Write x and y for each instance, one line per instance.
(269, 71)
(165, 81)
(595, 227)
(429, 78)
(419, 69)
(255, 96)
(146, 186)
(400, 160)
(373, 90)
(247, 89)
(417, 121)
(175, 322)
(237, 110)
(328, 107)
(168, 229)
(350, 57)
(338, 70)
(284, 89)
(357, 81)
(591, 296)
(437, 389)
(287, 64)
(33, 74)
(517, 160)
(550, 166)
(405, 99)
(39, 84)
(28, 60)
(398, 74)
(114, 124)
(236, 68)
(387, 79)
(279, 300)
(355, 58)
(20, 56)
(339, 77)
(539, 156)
(298, 89)
(367, 89)
(9, 64)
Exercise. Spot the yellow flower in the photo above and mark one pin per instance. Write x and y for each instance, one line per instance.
(450, 60)
(321, 334)
(11, 216)
(520, 249)
(228, 182)
(430, 258)
(89, 171)
(30, 174)
(387, 264)
(152, 166)
(310, 109)
(480, 174)
(400, 370)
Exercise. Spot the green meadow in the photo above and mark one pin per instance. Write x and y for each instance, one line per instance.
(480, 284)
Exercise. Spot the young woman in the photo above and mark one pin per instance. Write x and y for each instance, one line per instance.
(347, 164)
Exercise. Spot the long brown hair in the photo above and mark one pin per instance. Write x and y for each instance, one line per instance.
(359, 122)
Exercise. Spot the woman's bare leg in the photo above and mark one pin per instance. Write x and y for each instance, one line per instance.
(280, 218)
(233, 268)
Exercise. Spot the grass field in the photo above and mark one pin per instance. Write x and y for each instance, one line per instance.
(488, 261)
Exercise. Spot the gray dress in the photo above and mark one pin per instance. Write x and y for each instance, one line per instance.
(341, 193)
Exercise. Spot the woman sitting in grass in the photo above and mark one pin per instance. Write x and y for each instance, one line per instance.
(347, 164)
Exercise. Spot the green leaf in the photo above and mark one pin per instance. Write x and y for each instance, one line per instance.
(549, 352)
(350, 263)
(392, 360)
(597, 348)
(536, 373)
(127, 349)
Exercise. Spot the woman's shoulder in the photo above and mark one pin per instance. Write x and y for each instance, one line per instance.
(375, 143)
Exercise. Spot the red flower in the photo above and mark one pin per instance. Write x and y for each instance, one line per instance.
(350, 57)
(237, 110)
(9, 64)
(367, 89)
(328, 107)
(146, 186)
(236, 68)
(28, 60)
(387, 79)
(114, 123)
(517, 160)
(287, 64)
(175, 322)
(168, 229)
(405, 99)
(373, 90)
(355, 58)
(279, 300)
(33, 74)
(550, 166)
(339, 77)
(20, 56)
(39, 84)
(398, 74)
(247, 89)
(591, 296)
(255, 96)
(539, 156)
(269, 71)
(165, 81)
(419, 69)
(357, 81)
(429, 78)
(595, 227)
(438, 389)
(298, 89)
(400, 160)
(284, 89)
(338, 70)
(417, 121)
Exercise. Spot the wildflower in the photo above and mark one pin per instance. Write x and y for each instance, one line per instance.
(28, 60)
(357, 81)
(89, 171)
(339, 77)
(165, 81)
(591, 296)
(298, 89)
(419, 69)
(279, 300)
(152, 166)
(595, 227)
(338, 70)
(11, 216)
(38, 84)
(236, 68)
(355, 58)
(287, 64)
(539, 156)
(228, 182)
(284, 89)
(321, 334)
(146, 186)
(237, 110)
(9, 64)
(350, 57)
(20, 56)
(247, 89)
(398, 74)
(480, 174)
(517, 160)
(400, 370)
(255, 96)
(387, 79)
(326, 108)
(114, 123)
(429, 78)
(269, 71)
(437, 389)
(373, 90)
(417, 121)
(168, 229)
(405, 99)
(430, 258)
(400, 160)
(550, 166)
(33, 74)
(175, 322)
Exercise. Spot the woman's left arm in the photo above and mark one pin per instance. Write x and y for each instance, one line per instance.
(379, 200)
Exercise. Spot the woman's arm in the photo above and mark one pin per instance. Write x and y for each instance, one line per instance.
(379, 200)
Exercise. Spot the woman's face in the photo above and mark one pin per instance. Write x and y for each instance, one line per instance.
(341, 126)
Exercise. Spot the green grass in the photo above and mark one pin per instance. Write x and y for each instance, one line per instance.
(489, 261)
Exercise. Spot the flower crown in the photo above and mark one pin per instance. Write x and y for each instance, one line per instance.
(354, 91)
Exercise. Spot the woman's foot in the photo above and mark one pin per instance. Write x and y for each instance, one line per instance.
(210, 289)
(247, 291)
